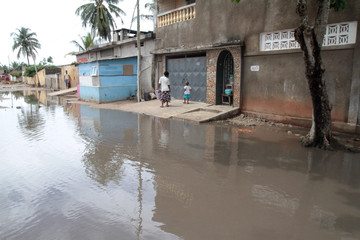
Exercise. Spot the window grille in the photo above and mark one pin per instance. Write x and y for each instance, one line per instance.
(336, 35)
(228, 68)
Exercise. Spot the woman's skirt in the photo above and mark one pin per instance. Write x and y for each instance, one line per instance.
(165, 96)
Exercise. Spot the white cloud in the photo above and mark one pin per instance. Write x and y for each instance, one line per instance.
(55, 24)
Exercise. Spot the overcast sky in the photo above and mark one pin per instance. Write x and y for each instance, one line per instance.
(55, 24)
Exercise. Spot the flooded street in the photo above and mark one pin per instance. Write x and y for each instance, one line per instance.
(69, 171)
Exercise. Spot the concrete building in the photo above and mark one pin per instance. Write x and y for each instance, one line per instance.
(49, 77)
(251, 46)
(108, 72)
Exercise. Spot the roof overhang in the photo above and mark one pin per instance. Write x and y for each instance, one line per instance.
(235, 43)
(113, 44)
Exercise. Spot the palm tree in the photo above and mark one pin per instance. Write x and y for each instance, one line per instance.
(99, 17)
(87, 41)
(25, 41)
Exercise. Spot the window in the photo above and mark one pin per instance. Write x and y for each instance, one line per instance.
(94, 71)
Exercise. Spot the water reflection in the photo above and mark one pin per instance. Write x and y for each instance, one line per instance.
(87, 173)
(112, 139)
(30, 121)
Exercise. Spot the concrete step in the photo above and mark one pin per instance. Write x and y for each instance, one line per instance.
(63, 92)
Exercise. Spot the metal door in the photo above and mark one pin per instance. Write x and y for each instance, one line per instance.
(191, 69)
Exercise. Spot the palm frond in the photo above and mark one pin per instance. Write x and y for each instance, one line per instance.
(99, 16)
(26, 42)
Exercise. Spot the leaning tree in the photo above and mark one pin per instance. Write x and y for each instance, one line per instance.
(27, 45)
(310, 37)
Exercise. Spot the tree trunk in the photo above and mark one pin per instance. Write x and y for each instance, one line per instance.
(36, 74)
(311, 39)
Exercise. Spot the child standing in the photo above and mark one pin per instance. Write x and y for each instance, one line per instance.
(187, 90)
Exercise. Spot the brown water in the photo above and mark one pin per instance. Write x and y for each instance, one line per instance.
(69, 171)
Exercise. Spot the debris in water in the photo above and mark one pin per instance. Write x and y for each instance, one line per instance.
(244, 130)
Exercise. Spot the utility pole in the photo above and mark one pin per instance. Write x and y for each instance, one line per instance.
(9, 65)
(139, 53)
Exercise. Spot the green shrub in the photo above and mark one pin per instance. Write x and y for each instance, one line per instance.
(16, 73)
(30, 71)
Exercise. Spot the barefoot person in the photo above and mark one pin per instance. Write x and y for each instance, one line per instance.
(164, 87)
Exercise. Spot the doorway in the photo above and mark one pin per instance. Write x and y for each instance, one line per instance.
(224, 73)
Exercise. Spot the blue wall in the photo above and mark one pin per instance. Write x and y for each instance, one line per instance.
(86, 68)
(97, 122)
(113, 84)
(90, 93)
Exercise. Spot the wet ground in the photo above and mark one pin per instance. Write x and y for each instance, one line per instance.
(70, 171)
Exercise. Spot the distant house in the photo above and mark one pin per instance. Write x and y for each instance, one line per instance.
(108, 72)
(15, 75)
(49, 77)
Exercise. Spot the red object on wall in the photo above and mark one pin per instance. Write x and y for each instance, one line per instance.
(82, 60)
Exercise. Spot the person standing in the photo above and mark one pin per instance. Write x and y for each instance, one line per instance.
(164, 87)
(187, 90)
(67, 79)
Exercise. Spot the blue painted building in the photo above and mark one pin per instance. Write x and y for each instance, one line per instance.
(108, 72)
(108, 80)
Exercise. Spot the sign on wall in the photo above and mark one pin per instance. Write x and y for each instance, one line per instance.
(255, 68)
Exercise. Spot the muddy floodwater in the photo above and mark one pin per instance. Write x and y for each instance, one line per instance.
(69, 171)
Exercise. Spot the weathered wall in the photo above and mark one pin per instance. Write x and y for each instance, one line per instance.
(280, 87)
(41, 75)
(29, 80)
(52, 81)
(167, 5)
(354, 104)
(147, 78)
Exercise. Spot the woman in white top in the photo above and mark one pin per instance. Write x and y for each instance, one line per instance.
(164, 87)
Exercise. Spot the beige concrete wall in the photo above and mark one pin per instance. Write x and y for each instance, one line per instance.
(29, 80)
(41, 75)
